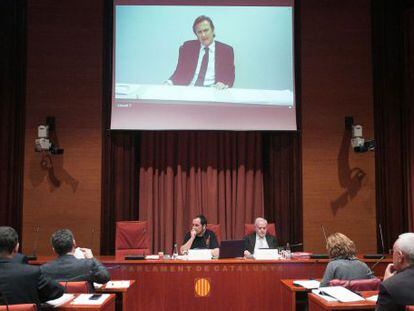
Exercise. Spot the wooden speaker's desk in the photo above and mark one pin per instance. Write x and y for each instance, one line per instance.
(225, 284)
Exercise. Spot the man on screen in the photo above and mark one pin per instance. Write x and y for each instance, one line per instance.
(204, 62)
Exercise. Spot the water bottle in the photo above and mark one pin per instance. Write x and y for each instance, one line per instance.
(175, 252)
(288, 251)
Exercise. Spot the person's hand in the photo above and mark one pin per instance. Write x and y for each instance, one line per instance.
(220, 86)
(87, 252)
(215, 252)
(390, 271)
(247, 253)
(193, 233)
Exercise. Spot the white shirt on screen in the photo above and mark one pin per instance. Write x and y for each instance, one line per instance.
(210, 73)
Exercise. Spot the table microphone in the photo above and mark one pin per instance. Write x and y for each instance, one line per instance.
(378, 256)
(36, 239)
(321, 256)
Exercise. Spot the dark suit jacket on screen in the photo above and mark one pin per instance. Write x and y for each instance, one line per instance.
(21, 283)
(397, 291)
(69, 268)
(250, 241)
(188, 59)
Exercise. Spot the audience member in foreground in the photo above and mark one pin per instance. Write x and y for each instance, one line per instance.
(200, 237)
(260, 238)
(397, 288)
(343, 264)
(20, 283)
(67, 267)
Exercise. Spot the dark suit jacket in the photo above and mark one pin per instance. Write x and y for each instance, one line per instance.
(25, 284)
(397, 291)
(250, 241)
(188, 58)
(69, 268)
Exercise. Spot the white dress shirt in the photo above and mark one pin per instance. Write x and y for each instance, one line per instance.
(210, 77)
(260, 242)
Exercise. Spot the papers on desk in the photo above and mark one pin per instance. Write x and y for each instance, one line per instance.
(199, 254)
(372, 298)
(60, 301)
(339, 293)
(118, 284)
(83, 299)
(266, 254)
(152, 257)
(97, 285)
(309, 284)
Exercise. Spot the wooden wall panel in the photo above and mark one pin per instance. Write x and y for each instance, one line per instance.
(64, 80)
(338, 184)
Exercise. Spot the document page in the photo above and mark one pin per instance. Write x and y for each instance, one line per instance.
(309, 284)
(84, 299)
(341, 293)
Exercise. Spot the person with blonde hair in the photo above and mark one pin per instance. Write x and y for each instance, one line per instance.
(343, 263)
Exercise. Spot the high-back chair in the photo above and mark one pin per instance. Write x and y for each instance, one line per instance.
(81, 287)
(216, 229)
(250, 228)
(132, 238)
(19, 307)
(357, 285)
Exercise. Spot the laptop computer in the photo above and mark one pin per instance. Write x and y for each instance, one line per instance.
(231, 249)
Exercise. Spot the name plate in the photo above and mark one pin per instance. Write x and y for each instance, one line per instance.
(199, 254)
(266, 254)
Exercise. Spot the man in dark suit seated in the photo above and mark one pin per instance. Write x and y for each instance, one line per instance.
(200, 237)
(21, 283)
(260, 238)
(67, 267)
(397, 288)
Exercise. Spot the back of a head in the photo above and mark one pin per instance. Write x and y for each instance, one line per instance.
(62, 241)
(8, 240)
(339, 245)
(405, 243)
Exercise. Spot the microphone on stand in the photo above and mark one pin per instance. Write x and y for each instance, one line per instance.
(378, 256)
(92, 238)
(321, 256)
(35, 242)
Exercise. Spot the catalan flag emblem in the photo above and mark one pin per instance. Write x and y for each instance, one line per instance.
(202, 287)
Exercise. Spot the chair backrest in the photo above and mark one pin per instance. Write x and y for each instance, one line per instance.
(409, 308)
(217, 231)
(132, 238)
(81, 287)
(19, 307)
(357, 285)
(250, 228)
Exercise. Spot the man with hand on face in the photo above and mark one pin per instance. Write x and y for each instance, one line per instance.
(200, 237)
(204, 62)
(397, 288)
(260, 238)
(73, 264)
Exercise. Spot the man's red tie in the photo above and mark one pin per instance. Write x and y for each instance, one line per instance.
(203, 69)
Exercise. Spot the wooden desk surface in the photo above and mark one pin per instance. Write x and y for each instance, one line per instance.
(107, 305)
(224, 284)
(317, 303)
